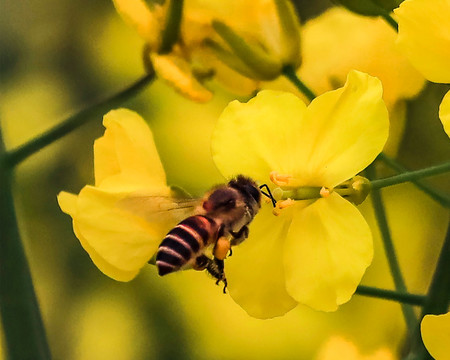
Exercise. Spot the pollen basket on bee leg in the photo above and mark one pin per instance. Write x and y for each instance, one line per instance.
(222, 248)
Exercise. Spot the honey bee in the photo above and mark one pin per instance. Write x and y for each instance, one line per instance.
(219, 221)
(222, 221)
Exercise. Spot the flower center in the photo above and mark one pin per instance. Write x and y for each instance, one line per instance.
(289, 190)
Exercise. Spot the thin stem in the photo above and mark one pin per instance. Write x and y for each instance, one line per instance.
(22, 323)
(394, 266)
(171, 31)
(411, 175)
(15, 156)
(291, 75)
(433, 193)
(405, 298)
(438, 296)
(437, 299)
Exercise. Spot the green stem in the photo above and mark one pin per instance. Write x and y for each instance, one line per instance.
(301, 193)
(437, 299)
(22, 323)
(390, 20)
(171, 31)
(15, 156)
(253, 56)
(433, 193)
(394, 266)
(411, 175)
(438, 296)
(402, 297)
(291, 75)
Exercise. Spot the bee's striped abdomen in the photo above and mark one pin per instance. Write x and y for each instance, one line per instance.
(184, 241)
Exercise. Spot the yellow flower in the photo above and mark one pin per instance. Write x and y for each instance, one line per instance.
(269, 42)
(360, 43)
(176, 66)
(436, 335)
(338, 41)
(120, 242)
(317, 251)
(337, 348)
(424, 37)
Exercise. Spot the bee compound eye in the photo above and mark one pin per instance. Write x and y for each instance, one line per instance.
(254, 192)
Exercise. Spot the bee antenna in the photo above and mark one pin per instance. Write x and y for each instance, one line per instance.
(268, 194)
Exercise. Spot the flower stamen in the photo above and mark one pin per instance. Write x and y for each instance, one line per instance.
(284, 180)
(282, 205)
(354, 190)
(325, 192)
(278, 179)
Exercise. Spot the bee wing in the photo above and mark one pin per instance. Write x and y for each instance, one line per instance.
(154, 208)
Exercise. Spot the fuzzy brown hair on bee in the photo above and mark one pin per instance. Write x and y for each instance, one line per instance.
(221, 221)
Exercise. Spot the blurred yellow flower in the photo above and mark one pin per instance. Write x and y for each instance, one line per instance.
(436, 335)
(337, 348)
(317, 251)
(424, 37)
(176, 66)
(338, 41)
(262, 45)
(126, 162)
(270, 40)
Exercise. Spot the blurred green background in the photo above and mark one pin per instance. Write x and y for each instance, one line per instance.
(55, 57)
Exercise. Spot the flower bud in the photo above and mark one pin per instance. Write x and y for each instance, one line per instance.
(264, 58)
(290, 44)
(263, 65)
(358, 188)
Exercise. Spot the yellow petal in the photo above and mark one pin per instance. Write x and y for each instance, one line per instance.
(138, 15)
(233, 81)
(356, 42)
(258, 137)
(124, 241)
(177, 72)
(436, 335)
(397, 124)
(104, 266)
(327, 250)
(68, 204)
(127, 147)
(226, 76)
(343, 132)
(255, 271)
(424, 36)
(444, 113)
(106, 163)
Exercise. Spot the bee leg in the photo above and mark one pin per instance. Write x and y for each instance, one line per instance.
(201, 263)
(216, 268)
(231, 252)
(225, 284)
(240, 236)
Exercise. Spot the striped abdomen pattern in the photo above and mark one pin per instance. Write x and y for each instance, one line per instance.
(184, 242)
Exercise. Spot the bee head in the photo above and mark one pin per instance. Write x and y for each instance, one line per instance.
(247, 187)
